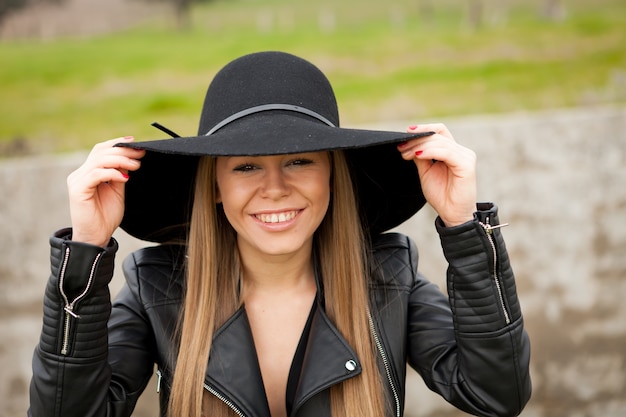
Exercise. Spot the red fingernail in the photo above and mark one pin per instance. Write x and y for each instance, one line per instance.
(128, 137)
(418, 153)
(401, 144)
(413, 127)
(125, 175)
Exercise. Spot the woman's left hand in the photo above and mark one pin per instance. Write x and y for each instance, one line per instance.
(447, 172)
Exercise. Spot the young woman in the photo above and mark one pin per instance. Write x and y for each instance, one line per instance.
(274, 290)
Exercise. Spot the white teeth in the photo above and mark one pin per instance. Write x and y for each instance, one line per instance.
(277, 218)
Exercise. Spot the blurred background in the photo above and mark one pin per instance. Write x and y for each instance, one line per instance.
(537, 88)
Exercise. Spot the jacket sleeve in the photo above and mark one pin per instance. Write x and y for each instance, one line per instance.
(71, 370)
(474, 352)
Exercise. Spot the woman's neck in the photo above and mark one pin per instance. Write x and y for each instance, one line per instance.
(276, 273)
(278, 278)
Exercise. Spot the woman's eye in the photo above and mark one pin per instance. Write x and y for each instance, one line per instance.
(301, 161)
(244, 168)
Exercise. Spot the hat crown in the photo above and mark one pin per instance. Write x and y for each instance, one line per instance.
(267, 78)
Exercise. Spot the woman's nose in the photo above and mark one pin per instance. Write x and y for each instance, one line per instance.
(275, 183)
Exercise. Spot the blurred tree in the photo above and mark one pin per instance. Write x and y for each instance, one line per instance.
(425, 9)
(487, 12)
(9, 6)
(475, 13)
(182, 10)
(553, 10)
(183, 13)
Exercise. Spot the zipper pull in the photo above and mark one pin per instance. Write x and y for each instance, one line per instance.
(69, 309)
(159, 377)
(489, 228)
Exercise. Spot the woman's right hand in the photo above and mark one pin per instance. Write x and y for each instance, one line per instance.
(96, 191)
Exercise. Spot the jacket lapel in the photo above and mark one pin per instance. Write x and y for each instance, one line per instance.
(328, 360)
(233, 370)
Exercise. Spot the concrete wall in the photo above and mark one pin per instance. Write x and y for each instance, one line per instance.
(559, 179)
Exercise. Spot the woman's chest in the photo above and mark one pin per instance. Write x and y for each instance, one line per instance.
(277, 331)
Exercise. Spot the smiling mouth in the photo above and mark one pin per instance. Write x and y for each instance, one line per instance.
(277, 217)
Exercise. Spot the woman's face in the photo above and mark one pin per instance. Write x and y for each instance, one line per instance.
(274, 203)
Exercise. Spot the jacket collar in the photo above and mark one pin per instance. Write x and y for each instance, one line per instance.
(234, 372)
(328, 359)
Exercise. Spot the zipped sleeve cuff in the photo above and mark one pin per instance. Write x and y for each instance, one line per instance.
(485, 213)
(81, 263)
(481, 284)
(77, 300)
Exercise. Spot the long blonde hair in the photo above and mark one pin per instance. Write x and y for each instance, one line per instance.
(212, 257)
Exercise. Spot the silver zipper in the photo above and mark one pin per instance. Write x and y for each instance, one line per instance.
(208, 388)
(489, 232)
(159, 378)
(385, 360)
(69, 306)
(224, 400)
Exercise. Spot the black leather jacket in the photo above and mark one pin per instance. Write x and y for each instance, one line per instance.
(470, 347)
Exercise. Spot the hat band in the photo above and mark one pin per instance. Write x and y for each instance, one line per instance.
(267, 107)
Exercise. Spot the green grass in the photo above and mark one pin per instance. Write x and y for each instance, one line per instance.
(386, 60)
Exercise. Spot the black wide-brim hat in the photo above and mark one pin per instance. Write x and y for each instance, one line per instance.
(268, 103)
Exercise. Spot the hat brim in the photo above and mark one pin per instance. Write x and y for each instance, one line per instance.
(281, 133)
(159, 194)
